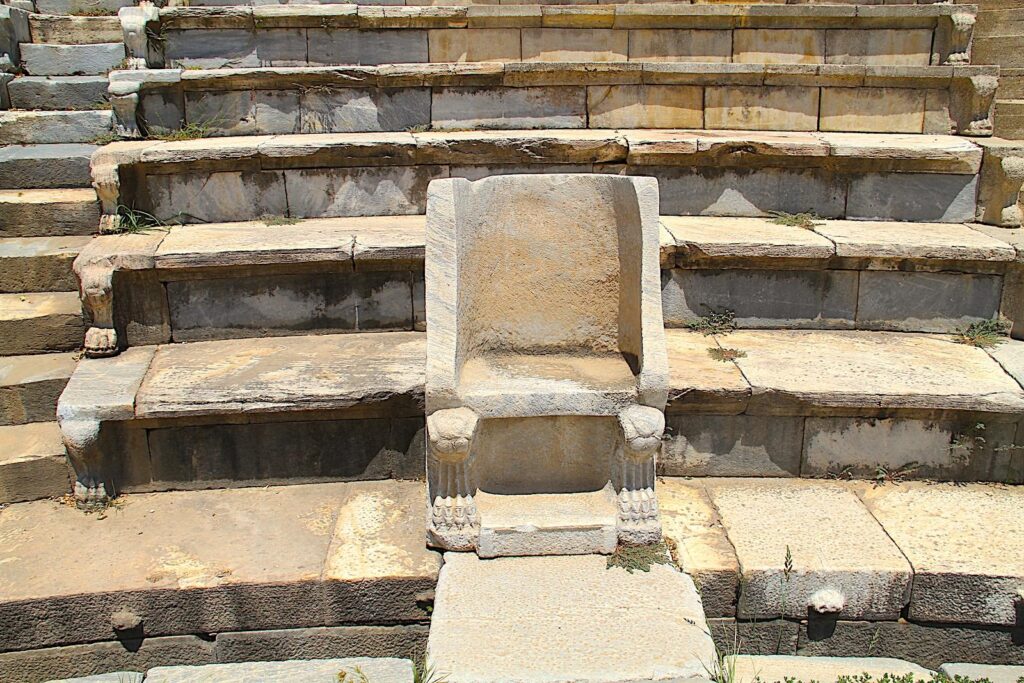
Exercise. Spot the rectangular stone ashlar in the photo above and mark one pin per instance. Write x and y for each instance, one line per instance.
(791, 568)
(544, 310)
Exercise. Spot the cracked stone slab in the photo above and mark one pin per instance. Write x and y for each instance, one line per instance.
(565, 619)
(965, 544)
(778, 668)
(699, 383)
(775, 522)
(892, 239)
(795, 371)
(708, 237)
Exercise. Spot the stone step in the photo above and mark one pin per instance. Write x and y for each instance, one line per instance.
(779, 668)
(346, 34)
(514, 95)
(47, 59)
(42, 213)
(33, 464)
(39, 264)
(1009, 119)
(30, 386)
(384, 670)
(799, 403)
(42, 127)
(318, 571)
(40, 322)
(45, 166)
(230, 280)
(58, 92)
(598, 624)
(74, 30)
(547, 524)
(77, 7)
(835, 175)
(993, 672)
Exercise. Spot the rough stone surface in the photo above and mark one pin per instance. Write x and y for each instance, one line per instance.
(774, 669)
(71, 60)
(57, 92)
(30, 385)
(872, 239)
(771, 524)
(198, 562)
(699, 237)
(701, 547)
(992, 672)
(45, 166)
(313, 671)
(33, 464)
(408, 642)
(38, 213)
(769, 637)
(604, 624)
(515, 108)
(963, 542)
(40, 127)
(732, 446)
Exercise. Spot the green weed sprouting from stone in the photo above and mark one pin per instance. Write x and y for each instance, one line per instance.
(106, 138)
(268, 219)
(640, 557)
(807, 221)
(355, 675)
(895, 475)
(964, 445)
(93, 12)
(725, 354)
(425, 672)
(190, 131)
(983, 334)
(132, 220)
(715, 322)
(787, 571)
(723, 668)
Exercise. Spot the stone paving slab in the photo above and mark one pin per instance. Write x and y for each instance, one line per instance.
(698, 236)
(699, 383)
(806, 546)
(777, 668)
(993, 672)
(964, 543)
(792, 371)
(112, 677)
(891, 239)
(358, 669)
(212, 561)
(565, 619)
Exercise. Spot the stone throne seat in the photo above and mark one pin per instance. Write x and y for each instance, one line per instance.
(547, 373)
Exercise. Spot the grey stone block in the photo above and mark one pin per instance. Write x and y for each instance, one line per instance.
(940, 450)
(231, 112)
(732, 446)
(53, 127)
(925, 302)
(60, 212)
(912, 197)
(277, 112)
(217, 197)
(509, 108)
(379, 448)
(45, 166)
(235, 48)
(352, 46)
(71, 60)
(14, 30)
(112, 677)
(711, 191)
(323, 302)
(384, 191)
(763, 298)
(161, 110)
(927, 645)
(409, 642)
(71, 6)
(57, 92)
(354, 110)
(769, 637)
(81, 660)
(5, 97)
(309, 671)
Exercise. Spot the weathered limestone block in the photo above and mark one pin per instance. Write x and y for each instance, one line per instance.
(515, 108)
(925, 302)
(73, 60)
(33, 464)
(895, 47)
(698, 383)
(777, 108)
(350, 46)
(787, 566)
(994, 673)
(213, 197)
(574, 45)
(64, 165)
(53, 127)
(14, 30)
(474, 45)
(953, 38)
(972, 97)
(775, 668)
(352, 110)
(645, 106)
(470, 351)
(873, 110)
(386, 191)
(732, 446)
(1002, 174)
(30, 385)
(767, 637)
(912, 197)
(408, 642)
(57, 92)
(779, 46)
(680, 45)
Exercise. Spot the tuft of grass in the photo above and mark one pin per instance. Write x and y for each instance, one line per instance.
(93, 12)
(640, 557)
(354, 675)
(268, 219)
(807, 221)
(422, 128)
(983, 334)
(714, 322)
(107, 138)
(725, 354)
(134, 221)
(896, 475)
(190, 131)
(425, 672)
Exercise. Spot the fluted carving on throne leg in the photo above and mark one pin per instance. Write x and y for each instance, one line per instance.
(642, 430)
(454, 519)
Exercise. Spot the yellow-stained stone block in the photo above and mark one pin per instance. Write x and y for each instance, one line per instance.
(753, 108)
(680, 45)
(890, 47)
(645, 106)
(574, 45)
(781, 46)
(872, 110)
(474, 45)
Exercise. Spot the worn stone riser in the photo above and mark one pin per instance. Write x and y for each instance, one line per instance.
(37, 666)
(238, 195)
(507, 40)
(229, 303)
(745, 107)
(927, 644)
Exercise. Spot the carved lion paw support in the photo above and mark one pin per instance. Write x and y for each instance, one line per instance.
(454, 519)
(642, 430)
(98, 300)
(81, 439)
